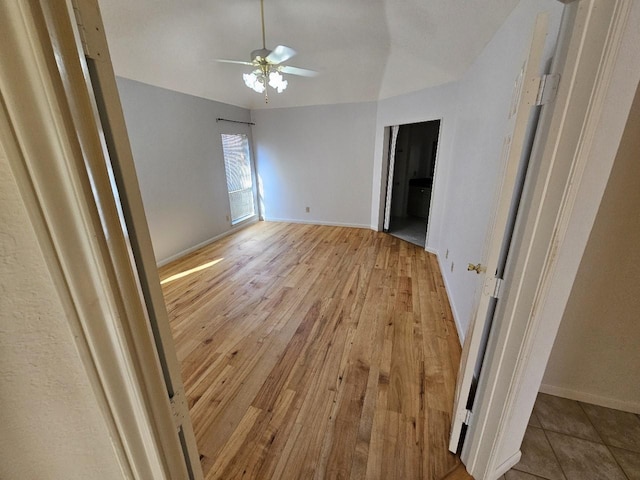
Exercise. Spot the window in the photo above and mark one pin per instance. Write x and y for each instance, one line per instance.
(237, 165)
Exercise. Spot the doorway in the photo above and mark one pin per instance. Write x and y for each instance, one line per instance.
(412, 159)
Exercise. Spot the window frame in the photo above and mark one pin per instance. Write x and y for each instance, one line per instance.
(246, 132)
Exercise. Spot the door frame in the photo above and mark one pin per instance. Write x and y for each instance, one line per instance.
(118, 352)
(384, 174)
(579, 140)
(391, 139)
(522, 127)
(70, 195)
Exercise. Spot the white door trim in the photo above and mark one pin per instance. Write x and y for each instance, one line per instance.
(523, 100)
(391, 170)
(59, 166)
(580, 137)
(102, 92)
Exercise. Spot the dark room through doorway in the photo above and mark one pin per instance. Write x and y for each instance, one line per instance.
(412, 160)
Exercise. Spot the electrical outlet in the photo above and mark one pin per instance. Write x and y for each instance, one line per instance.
(446, 255)
(228, 219)
(452, 266)
(307, 209)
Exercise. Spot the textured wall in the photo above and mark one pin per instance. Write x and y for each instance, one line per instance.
(51, 425)
(596, 357)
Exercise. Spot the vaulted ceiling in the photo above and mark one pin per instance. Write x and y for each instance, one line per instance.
(365, 50)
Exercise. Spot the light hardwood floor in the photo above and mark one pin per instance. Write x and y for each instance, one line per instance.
(315, 352)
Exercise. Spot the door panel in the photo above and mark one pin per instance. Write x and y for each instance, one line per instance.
(515, 148)
(101, 83)
(392, 161)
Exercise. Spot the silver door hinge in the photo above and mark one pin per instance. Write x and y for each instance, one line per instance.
(497, 289)
(493, 286)
(548, 88)
(468, 416)
(179, 408)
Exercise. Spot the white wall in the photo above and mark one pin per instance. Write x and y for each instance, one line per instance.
(178, 155)
(320, 156)
(595, 357)
(439, 103)
(474, 114)
(317, 157)
(518, 392)
(329, 158)
(51, 423)
(484, 100)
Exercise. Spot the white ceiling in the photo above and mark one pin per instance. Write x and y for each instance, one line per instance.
(365, 50)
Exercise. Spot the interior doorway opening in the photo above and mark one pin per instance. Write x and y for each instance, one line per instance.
(412, 160)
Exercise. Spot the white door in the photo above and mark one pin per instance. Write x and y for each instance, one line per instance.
(527, 93)
(101, 83)
(392, 164)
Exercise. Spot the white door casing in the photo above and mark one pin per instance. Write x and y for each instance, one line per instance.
(392, 163)
(102, 90)
(59, 154)
(599, 63)
(525, 94)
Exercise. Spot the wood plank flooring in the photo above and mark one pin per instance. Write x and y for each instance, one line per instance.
(313, 352)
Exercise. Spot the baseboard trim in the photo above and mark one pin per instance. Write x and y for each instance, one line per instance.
(447, 287)
(189, 250)
(319, 222)
(624, 405)
(507, 465)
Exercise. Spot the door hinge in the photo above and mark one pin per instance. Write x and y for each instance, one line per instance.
(493, 286)
(468, 416)
(548, 88)
(179, 408)
(497, 288)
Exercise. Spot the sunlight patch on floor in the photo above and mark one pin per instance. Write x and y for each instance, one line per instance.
(190, 271)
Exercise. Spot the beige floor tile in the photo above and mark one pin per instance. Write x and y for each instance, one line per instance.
(584, 460)
(533, 420)
(537, 456)
(516, 475)
(616, 428)
(629, 461)
(564, 416)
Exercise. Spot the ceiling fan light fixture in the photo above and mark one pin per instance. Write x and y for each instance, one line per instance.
(255, 81)
(268, 66)
(277, 82)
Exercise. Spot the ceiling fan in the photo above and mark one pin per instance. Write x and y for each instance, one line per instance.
(268, 66)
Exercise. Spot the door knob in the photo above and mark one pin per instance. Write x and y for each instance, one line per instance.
(477, 268)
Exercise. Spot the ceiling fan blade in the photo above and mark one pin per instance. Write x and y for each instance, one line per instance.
(280, 54)
(238, 62)
(303, 72)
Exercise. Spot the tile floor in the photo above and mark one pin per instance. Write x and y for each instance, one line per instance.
(411, 229)
(569, 440)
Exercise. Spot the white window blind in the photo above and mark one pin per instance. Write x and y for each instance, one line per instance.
(237, 164)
